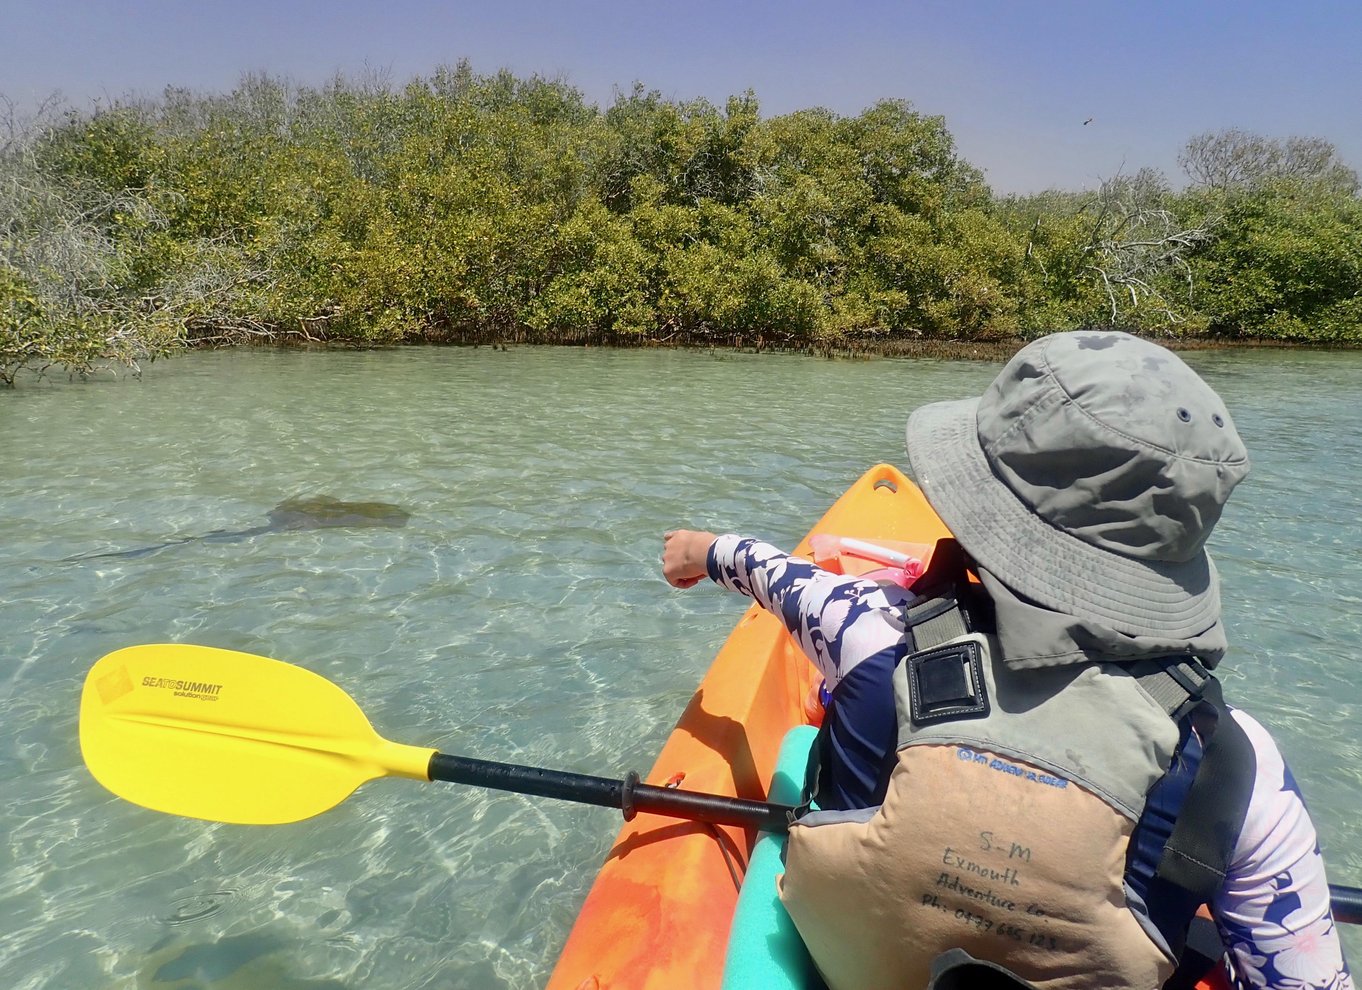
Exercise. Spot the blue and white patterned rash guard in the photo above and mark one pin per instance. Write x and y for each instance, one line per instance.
(1273, 912)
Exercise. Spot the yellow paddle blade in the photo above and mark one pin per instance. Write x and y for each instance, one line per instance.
(229, 737)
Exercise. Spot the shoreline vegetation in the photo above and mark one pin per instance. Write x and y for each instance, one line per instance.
(492, 209)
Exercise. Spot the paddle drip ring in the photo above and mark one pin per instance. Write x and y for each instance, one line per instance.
(627, 795)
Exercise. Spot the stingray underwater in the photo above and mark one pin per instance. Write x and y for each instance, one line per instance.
(317, 512)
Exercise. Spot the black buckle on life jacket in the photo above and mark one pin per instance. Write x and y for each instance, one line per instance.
(947, 682)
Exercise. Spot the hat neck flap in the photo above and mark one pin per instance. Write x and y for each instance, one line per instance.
(1032, 635)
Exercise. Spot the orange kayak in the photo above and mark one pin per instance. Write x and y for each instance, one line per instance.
(661, 910)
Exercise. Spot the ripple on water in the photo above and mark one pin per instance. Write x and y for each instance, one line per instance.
(197, 905)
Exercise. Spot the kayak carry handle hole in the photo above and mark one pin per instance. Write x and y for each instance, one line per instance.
(886, 483)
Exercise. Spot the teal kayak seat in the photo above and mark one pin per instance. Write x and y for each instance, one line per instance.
(765, 951)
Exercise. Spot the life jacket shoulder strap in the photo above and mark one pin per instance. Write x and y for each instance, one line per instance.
(936, 620)
(1197, 855)
(1175, 683)
(946, 607)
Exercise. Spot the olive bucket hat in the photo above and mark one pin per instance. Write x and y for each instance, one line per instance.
(1087, 478)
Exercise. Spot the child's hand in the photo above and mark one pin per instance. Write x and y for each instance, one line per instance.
(683, 556)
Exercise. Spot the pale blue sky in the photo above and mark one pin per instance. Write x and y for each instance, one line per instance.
(1015, 81)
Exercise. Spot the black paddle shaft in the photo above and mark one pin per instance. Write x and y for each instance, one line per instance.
(628, 795)
(1347, 904)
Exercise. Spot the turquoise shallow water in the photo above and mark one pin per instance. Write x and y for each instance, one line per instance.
(518, 616)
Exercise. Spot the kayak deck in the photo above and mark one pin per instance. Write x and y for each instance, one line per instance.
(659, 913)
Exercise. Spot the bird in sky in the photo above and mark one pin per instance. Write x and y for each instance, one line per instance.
(1087, 122)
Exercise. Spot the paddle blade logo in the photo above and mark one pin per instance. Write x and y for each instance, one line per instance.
(200, 690)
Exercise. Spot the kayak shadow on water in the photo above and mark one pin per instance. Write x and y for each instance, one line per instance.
(318, 512)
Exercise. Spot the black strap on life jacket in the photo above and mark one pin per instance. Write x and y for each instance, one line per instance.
(945, 607)
(1175, 683)
(956, 969)
(1201, 953)
(1198, 852)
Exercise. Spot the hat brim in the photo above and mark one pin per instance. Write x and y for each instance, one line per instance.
(1040, 561)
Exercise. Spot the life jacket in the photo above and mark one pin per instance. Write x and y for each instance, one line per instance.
(1006, 826)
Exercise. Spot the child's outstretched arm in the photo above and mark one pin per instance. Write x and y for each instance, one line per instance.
(836, 619)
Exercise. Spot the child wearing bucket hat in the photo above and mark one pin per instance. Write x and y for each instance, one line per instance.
(1059, 707)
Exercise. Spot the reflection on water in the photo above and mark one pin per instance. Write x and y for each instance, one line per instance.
(518, 615)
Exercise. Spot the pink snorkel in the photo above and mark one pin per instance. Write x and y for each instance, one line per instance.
(901, 564)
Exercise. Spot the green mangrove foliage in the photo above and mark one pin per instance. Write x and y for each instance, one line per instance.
(464, 207)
